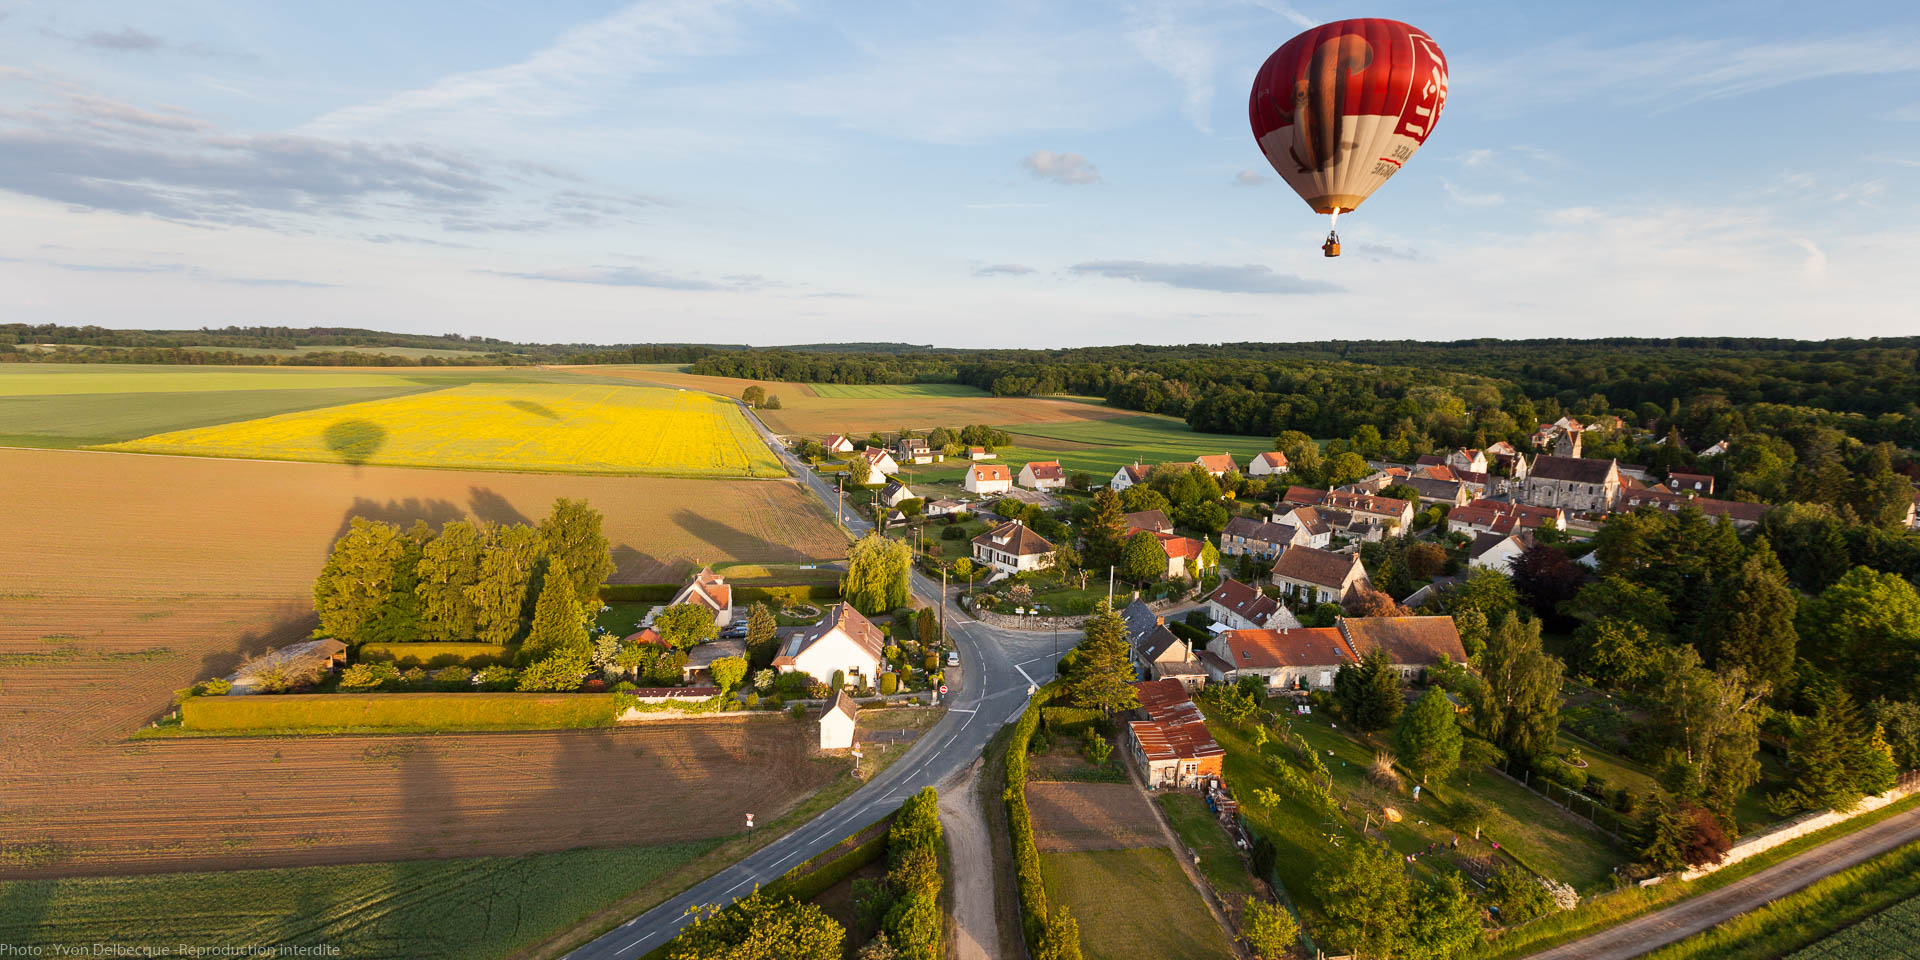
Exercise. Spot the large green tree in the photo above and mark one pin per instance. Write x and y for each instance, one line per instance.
(1519, 705)
(1143, 560)
(878, 569)
(1709, 723)
(506, 581)
(760, 927)
(1445, 923)
(1369, 693)
(685, 625)
(1750, 623)
(1366, 900)
(559, 626)
(1102, 675)
(1868, 625)
(356, 582)
(1838, 758)
(572, 534)
(763, 635)
(449, 567)
(1105, 530)
(1428, 737)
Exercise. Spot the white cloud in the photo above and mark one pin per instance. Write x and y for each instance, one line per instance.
(1166, 33)
(1287, 10)
(1815, 267)
(635, 276)
(1478, 157)
(1469, 198)
(1068, 168)
(1217, 277)
(1249, 178)
(1003, 270)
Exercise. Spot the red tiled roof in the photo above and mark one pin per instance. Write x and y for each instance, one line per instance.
(1047, 470)
(1420, 641)
(1276, 460)
(1216, 462)
(1136, 471)
(1298, 647)
(1179, 547)
(989, 472)
(1352, 502)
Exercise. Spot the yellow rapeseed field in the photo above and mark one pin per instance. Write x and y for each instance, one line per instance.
(558, 428)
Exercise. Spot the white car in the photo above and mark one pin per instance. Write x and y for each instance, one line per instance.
(953, 658)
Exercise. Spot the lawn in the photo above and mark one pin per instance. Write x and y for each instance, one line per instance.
(622, 618)
(1133, 903)
(1102, 447)
(468, 908)
(556, 428)
(894, 391)
(1200, 830)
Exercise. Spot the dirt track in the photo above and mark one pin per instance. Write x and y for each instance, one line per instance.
(976, 927)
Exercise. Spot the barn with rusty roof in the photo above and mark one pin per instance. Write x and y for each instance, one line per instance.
(1172, 743)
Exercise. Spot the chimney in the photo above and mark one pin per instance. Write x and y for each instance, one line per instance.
(1159, 621)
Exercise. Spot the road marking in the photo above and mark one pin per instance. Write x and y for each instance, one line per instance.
(961, 709)
(1023, 673)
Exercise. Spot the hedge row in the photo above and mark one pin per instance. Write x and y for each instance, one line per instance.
(663, 592)
(430, 655)
(802, 883)
(914, 922)
(1047, 934)
(465, 711)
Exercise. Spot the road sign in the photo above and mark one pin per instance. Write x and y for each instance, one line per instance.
(943, 689)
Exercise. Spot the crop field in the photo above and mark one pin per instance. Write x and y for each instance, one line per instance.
(1893, 932)
(1102, 447)
(1132, 904)
(803, 413)
(75, 405)
(894, 391)
(467, 908)
(173, 804)
(1071, 817)
(568, 428)
(128, 577)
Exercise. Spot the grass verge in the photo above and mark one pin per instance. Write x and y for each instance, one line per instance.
(1810, 915)
(1133, 903)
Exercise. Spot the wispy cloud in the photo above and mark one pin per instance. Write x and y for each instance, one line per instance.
(182, 270)
(1165, 33)
(1003, 270)
(634, 276)
(1815, 266)
(1287, 10)
(1249, 178)
(137, 41)
(1469, 198)
(1068, 168)
(1223, 278)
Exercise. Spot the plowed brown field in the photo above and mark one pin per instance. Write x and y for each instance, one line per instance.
(1070, 817)
(802, 413)
(125, 577)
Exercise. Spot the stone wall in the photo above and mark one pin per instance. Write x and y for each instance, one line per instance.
(1804, 824)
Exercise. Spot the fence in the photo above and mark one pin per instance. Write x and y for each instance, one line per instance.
(1566, 799)
(1800, 826)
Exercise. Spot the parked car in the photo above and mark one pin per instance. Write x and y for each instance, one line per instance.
(953, 658)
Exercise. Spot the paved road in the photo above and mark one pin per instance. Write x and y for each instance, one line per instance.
(1688, 917)
(997, 669)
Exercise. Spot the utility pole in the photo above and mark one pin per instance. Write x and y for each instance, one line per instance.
(1109, 586)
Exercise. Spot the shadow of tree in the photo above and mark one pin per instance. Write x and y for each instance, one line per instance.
(402, 513)
(537, 409)
(493, 508)
(354, 441)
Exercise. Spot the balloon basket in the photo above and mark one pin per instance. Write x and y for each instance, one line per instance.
(1332, 247)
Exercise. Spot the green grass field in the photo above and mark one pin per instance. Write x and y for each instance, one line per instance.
(1102, 447)
(894, 391)
(471, 908)
(1132, 904)
(1869, 912)
(66, 406)
(1200, 830)
(540, 427)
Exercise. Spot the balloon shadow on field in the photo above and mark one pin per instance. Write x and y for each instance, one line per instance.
(730, 542)
(354, 441)
(537, 409)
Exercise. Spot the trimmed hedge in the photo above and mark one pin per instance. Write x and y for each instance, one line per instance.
(430, 655)
(797, 592)
(806, 886)
(465, 711)
(1047, 935)
(914, 842)
(1071, 721)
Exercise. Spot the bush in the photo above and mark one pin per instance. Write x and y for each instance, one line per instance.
(413, 678)
(499, 678)
(1517, 898)
(217, 687)
(474, 655)
(624, 686)
(750, 700)
(953, 533)
(368, 677)
(889, 683)
(452, 679)
(1560, 773)
(798, 711)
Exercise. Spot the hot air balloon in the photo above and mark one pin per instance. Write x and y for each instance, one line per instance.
(1340, 108)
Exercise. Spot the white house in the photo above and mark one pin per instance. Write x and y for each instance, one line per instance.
(1012, 547)
(1217, 464)
(1127, 476)
(1317, 576)
(839, 444)
(836, 725)
(913, 450)
(1240, 606)
(710, 590)
(843, 640)
(1267, 464)
(895, 492)
(1716, 450)
(1467, 460)
(880, 462)
(987, 478)
(1497, 551)
(1043, 475)
(981, 453)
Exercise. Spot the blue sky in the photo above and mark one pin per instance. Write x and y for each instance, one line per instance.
(978, 174)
